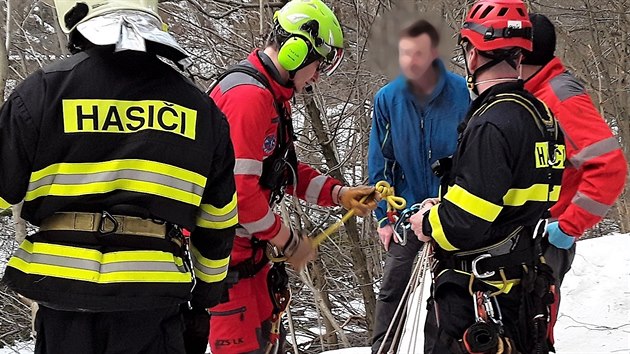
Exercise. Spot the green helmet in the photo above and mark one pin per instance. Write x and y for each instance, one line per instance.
(315, 22)
(87, 9)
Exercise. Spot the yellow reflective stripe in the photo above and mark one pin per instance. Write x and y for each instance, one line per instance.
(535, 193)
(105, 187)
(555, 193)
(96, 277)
(209, 270)
(74, 179)
(218, 218)
(4, 204)
(115, 165)
(88, 265)
(94, 255)
(473, 204)
(437, 233)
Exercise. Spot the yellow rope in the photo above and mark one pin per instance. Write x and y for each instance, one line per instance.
(382, 187)
(387, 193)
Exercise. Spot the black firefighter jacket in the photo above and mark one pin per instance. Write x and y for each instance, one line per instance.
(127, 134)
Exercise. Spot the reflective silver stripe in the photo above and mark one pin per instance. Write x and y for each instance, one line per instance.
(207, 270)
(314, 188)
(69, 262)
(566, 86)
(261, 224)
(248, 167)
(217, 218)
(594, 150)
(136, 175)
(241, 232)
(592, 206)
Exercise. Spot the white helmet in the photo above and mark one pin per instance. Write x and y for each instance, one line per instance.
(84, 10)
(126, 24)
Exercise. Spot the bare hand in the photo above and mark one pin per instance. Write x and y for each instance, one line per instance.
(417, 219)
(385, 233)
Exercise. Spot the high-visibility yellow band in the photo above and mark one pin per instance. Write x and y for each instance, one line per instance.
(78, 168)
(473, 204)
(106, 187)
(94, 255)
(554, 195)
(76, 263)
(218, 218)
(535, 193)
(4, 204)
(437, 232)
(209, 270)
(96, 277)
(74, 179)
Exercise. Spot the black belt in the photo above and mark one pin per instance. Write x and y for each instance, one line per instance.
(249, 268)
(512, 255)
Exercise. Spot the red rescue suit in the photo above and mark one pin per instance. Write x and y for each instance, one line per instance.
(236, 326)
(596, 168)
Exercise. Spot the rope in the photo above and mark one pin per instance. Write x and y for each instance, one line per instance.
(416, 281)
(387, 193)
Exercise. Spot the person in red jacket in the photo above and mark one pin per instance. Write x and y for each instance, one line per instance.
(595, 175)
(306, 40)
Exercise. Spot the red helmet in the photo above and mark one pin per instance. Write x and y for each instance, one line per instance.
(498, 24)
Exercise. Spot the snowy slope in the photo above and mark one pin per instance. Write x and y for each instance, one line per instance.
(595, 313)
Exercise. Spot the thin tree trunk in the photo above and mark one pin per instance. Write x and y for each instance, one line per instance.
(358, 257)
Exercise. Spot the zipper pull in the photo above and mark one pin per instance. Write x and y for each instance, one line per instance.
(429, 154)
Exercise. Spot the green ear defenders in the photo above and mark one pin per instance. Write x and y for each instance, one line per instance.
(296, 51)
(293, 52)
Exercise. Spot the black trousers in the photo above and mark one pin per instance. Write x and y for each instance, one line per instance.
(197, 330)
(396, 275)
(156, 331)
(451, 312)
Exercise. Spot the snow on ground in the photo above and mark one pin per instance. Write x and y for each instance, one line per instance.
(595, 312)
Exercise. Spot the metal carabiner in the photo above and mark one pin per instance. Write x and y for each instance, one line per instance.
(474, 267)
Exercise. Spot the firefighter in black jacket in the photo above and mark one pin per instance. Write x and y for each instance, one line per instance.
(113, 152)
(492, 289)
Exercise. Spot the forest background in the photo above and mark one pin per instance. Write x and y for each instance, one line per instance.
(334, 299)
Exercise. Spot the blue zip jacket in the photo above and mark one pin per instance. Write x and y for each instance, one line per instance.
(406, 137)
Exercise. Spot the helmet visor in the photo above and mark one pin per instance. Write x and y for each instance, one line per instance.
(332, 61)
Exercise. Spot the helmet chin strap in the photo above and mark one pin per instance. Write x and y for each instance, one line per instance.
(471, 78)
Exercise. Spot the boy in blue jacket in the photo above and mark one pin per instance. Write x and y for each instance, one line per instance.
(414, 124)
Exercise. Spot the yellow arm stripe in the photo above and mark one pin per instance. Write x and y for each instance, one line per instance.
(4, 204)
(535, 193)
(472, 204)
(437, 232)
(218, 218)
(209, 270)
(228, 208)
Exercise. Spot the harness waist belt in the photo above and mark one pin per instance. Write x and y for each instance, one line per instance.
(104, 223)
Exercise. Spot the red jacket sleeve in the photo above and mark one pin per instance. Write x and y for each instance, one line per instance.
(314, 187)
(249, 110)
(595, 177)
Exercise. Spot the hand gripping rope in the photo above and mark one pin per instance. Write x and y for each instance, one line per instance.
(387, 193)
(382, 187)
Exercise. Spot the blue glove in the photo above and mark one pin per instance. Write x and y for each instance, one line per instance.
(558, 238)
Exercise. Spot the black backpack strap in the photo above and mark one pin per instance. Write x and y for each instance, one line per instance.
(244, 69)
